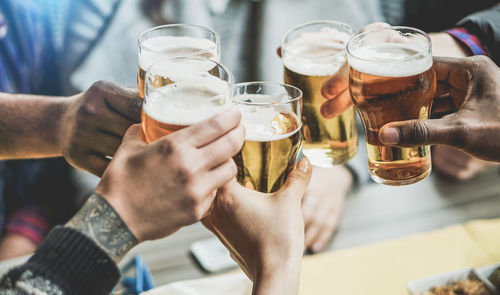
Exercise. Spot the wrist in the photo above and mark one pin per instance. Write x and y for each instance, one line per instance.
(443, 44)
(281, 279)
(64, 128)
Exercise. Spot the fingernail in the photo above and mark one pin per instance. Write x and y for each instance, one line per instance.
(389, 135)
(316, 247)
(304, 165)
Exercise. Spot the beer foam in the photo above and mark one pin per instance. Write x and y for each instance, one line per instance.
(174, 46)
(193, 97)
(267, 123)
(316, 53)
(390, 60)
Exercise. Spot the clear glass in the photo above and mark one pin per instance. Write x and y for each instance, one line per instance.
(311, 53)
(182, 91)
(175, 40)
(391, 78)
(271, 114)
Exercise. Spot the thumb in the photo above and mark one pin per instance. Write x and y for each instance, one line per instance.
(334, 107)
(421, 132)
(298, 180)
(134, 135)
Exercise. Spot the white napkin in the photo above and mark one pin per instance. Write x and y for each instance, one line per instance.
(231, 284)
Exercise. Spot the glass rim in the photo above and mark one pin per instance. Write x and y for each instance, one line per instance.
(273, 84)
(391, 28)
(316, 22)
(230, 79)
(140, 39)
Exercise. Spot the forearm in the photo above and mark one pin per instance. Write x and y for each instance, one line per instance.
(282, 280)
(30, 125)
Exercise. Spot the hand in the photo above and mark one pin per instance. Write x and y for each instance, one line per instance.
(94, 123)
(469, 88)
(336, 89)
(159, 187)
(455, 164)
(322, 205)
(15, 245)
(264, 232)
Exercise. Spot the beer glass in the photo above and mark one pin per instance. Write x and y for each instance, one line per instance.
(391, 78)
(176, 40)
(182, 91)
(271, 116)
(311, 53)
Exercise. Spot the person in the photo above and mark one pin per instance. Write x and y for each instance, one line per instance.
(474, 34)
(132, 199)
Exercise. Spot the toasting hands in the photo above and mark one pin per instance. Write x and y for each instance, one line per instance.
(264, 232)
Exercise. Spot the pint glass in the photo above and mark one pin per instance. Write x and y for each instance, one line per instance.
(311, 53)
(176, 40)
(271, 116)
(183, 91)
(391, 79)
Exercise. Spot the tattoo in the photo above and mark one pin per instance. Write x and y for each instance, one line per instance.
(99, 220)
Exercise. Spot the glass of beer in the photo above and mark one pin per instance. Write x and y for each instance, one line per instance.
(271, 115)
(311, 53)
(176, 40)
(182, 91)
(391, 79)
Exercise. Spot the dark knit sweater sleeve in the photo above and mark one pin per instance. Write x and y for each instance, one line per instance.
(67, 262)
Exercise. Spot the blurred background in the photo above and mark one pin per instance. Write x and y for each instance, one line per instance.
(97, 40)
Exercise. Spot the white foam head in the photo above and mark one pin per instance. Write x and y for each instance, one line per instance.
(391, 59)
(266, 123)
(175, 46)
(316, 53)
(194, 97)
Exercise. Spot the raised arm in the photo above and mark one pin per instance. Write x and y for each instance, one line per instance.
(148, 191)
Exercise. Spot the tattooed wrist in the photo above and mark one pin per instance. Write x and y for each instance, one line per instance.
(99, 220)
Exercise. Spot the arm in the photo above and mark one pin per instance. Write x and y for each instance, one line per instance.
(145, 183)
(30, 125)
(264, 232)
(84, 128)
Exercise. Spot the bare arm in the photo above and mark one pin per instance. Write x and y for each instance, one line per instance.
(30, 125)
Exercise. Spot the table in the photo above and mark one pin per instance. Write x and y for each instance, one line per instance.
(372, 214)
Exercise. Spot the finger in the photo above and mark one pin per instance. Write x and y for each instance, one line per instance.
(223, 148)
(114, 123)
(96, 164)
(123, 101)
(375, 26)
(422, 132)
(334, 107)
(220, 176)
(337, 83)
(109, 144)
(203, 133)
(298, 180)
(278, 52)
(311, 231)
(455, 71)
(134, 136)
(324, 235)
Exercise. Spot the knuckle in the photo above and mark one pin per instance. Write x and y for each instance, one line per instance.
(183, 174)
(216, 125)
(416, 134)
(99, 87)
(167, 146)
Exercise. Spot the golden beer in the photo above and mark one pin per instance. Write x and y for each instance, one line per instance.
(273, 137)
(181, 92)
(311, 54)
(398, 85)
(177, 40)
(265, 161)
